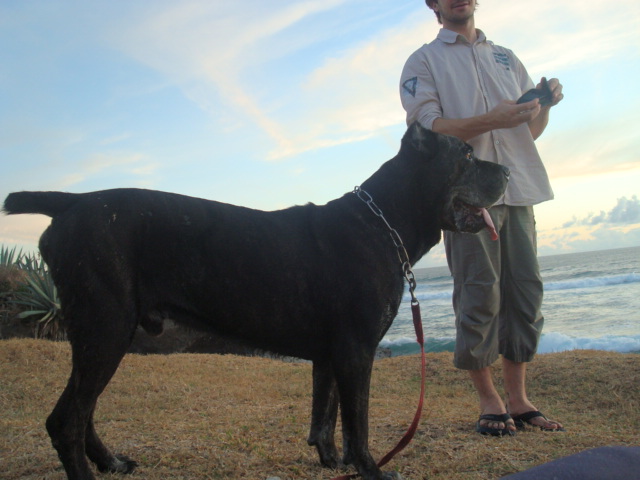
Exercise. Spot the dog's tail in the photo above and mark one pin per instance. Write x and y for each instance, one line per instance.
(45, 203)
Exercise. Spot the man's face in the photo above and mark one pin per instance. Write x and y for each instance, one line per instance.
(455, 11)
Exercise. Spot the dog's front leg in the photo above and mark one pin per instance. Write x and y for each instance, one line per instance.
(324, 414)
(353, 380)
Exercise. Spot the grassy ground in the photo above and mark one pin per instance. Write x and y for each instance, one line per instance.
(226, 417)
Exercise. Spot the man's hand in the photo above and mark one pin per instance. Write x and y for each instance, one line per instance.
(556, 89)
(539, 122)
(509, 114)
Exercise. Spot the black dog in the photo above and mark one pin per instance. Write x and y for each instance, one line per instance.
(317, 282)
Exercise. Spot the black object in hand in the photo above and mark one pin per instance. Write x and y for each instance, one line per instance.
(543, 93)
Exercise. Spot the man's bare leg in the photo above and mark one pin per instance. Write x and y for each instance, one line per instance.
(515, 386)
(490, 400)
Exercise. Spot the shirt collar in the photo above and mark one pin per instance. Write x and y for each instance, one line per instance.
(449, 36)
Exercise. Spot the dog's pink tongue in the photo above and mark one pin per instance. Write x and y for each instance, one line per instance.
(489, 222)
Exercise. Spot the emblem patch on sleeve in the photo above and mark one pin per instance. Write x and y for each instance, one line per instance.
(409, 86)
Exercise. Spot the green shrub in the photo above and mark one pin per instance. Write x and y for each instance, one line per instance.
(8, 257)
(11, 275)
(30, 288)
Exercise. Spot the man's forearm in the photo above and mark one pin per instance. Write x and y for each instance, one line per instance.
(463, 128)
(505, 115)
(538, 124)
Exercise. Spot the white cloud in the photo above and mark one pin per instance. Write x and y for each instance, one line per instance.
(206, 48)
(213, 50)
(626, 211)
(23, 230)
(125, 165)
(585, 149)
(587, 238)
(362, 85)
(549, 36)
(114, 139)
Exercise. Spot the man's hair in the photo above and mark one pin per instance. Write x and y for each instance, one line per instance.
(430, 5)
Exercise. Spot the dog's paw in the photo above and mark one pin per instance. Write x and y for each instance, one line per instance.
(329, 456)
(120, 464)
(392, 476)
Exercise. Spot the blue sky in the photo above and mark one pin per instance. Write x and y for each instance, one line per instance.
(272, 104)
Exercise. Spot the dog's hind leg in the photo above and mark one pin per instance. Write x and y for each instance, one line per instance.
(99, 454)
(324, 414)
(98, 346)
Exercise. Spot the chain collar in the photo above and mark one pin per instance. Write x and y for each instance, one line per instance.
(403, 256)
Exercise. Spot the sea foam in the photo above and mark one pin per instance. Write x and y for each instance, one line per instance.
(593, 282)
(549, 343)
(559, 342)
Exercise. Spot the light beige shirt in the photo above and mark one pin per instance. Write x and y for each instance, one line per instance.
(451, 78)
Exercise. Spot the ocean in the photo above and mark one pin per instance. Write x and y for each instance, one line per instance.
(591, 301)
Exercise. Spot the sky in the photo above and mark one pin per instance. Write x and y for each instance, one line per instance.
(280, 103)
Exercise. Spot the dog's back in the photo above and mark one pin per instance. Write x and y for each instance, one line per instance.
(196, 261)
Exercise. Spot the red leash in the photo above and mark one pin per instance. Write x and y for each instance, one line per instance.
(408, 436)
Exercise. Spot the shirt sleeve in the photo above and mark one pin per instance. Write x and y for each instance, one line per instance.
(418, 92)
(523, 77)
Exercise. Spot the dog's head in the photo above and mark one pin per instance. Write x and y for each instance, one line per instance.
(470, 185)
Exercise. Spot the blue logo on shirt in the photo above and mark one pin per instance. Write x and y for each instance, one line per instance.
(502, 59)
(410, 86)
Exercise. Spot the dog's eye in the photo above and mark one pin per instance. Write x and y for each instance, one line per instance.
(469, 154)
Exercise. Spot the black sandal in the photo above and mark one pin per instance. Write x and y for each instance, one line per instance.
(495, 432)
(524, 418)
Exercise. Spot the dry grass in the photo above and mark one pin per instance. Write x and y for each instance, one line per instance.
(226, 417)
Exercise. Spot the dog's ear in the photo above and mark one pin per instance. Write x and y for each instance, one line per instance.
(424, 141)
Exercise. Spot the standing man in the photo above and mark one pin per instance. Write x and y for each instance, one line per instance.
(461, 84)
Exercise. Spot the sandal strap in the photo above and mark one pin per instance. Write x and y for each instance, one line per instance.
(525, 417)
(492, 417)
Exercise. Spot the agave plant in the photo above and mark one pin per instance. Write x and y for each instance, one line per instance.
(39, 297)
(10, 270)
(9, 258)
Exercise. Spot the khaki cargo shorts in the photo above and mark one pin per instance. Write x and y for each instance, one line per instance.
(498, 290)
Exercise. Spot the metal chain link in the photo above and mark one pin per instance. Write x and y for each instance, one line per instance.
(403, 256)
